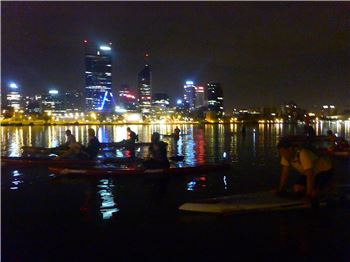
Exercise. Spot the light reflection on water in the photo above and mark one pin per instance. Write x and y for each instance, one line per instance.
(105, 190)
(16, 180)
(204, 143)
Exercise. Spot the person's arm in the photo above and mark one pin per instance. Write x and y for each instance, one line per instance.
(283, 178)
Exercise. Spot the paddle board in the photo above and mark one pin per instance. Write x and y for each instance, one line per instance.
(242, 203)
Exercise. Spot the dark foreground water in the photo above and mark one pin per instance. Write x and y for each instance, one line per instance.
(47, 218)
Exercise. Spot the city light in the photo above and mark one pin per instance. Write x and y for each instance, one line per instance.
(189, 82)
(53, 92)
(13, 86)
(105, 48)
(179, 102)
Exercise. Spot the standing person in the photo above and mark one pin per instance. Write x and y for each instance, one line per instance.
(93, 146)
(177, 132)
(316, 171)
(130, 142)
(157, 153)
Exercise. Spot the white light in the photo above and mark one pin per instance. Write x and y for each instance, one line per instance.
(53, 92)
(189, 82)
(13, 85)
(179, 101)
(105, 48)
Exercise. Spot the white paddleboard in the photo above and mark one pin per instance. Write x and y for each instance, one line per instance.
(260, 201)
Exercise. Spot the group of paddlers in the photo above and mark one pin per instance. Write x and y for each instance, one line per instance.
(157, 152)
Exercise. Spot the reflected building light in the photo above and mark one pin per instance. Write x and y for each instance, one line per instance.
(16, 180)
(108, 206)
(225, 182)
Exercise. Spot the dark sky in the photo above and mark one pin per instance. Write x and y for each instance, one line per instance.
(261, 53)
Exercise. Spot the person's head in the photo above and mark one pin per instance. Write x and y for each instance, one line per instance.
(155, 137)
(128, 129)
(286, 149)
(91, 132)
(329, 132)
(68, 132)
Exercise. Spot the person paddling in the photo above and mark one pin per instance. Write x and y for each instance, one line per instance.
(157, 154)
(130, 142)
(93, 146)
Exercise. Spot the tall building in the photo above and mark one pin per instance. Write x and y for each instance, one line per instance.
(74, 101)
(215, 98)
(199, 102)
(189, 95)
(161, 100)
(98, 78)
(145, 88)
(32, 104)
(53, 102)
(126, 99)
(14, 97)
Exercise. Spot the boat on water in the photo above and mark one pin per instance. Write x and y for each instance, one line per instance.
(73, 162)
(68, 162)
(103, 171)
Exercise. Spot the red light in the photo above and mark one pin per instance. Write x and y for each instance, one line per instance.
(85, 41)
(146, 55)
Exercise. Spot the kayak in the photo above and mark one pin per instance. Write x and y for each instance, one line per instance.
(123, 144)
(47, 161)
(108, 171)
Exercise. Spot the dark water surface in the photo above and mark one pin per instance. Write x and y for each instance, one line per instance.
(47, 218)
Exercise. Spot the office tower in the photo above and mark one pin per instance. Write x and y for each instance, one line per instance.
(98, 78)
(126, 99)
(215, 98)
(145, 88)
(14, 97)
(199, 102)
(161, 100)
(32, 104)
(53, 102)
(189, 95)
(74, 101)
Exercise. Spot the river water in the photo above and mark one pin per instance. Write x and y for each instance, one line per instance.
(48, 218)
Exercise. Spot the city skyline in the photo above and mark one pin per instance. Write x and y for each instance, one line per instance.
(285, 51)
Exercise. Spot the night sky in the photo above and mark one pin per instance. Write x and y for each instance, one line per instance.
(263, 54)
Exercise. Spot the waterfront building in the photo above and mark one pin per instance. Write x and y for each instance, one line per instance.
(161, 100)
(98, 78)
(189, 95)
(145, 88)
(14, 97)
(215, 98)
(32, 104)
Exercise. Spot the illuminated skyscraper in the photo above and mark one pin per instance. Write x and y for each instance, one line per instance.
(126, 99)
(14, 97)
(53, 102)
(189, 95)
(145, 88)
(199, 102)
(215, 98)
(98, 78)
